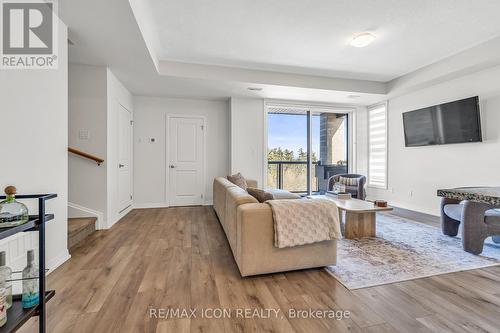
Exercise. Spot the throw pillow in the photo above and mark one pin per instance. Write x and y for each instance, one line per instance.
(259, 194)
(348, 181)
(238, 180)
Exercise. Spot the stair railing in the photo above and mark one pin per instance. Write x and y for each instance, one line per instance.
(96, 159)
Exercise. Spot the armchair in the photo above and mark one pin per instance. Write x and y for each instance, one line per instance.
(479, 220)
(357, 191)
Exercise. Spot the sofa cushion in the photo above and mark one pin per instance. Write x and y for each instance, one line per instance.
(454, 211)
(352, 189)
(251, 183)
(283, 194)
(238, 180)
(221, 184)
(256, 253)
(259, 194)
(492, 216)
(235, 197)
(348, 181)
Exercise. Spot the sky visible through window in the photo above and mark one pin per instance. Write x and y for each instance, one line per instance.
(290, 132)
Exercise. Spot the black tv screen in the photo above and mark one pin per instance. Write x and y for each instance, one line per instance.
(454, 122)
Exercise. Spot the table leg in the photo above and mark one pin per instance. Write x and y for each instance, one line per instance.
(474, 230)
(359, 225)
(342, 222)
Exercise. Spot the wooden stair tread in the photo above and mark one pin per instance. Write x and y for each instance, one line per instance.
(78, 223)
(79, 229)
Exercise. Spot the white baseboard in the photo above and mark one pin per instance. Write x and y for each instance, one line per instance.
(120, 216)
(150, 205)
(163, 205)
(58, 261)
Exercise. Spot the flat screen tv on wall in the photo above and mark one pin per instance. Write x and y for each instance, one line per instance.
(454, 122)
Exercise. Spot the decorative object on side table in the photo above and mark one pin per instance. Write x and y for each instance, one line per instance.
(17, 315)
(3, 306)
(12, 212)
(380, 203)
(5, 278)
(339, 188)
(30, 282)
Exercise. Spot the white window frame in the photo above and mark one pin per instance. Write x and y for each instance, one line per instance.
(313, 107)
(369, 109)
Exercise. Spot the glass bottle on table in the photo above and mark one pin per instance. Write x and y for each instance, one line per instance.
(3, 307)
(31, 289)
(12, 212)
(5, 279)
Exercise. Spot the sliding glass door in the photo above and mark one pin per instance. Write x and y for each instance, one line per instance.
(305, 148)
(287, 150)
(330, 139)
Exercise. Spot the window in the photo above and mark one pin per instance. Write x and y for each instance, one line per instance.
(377, 146)
(306, 146)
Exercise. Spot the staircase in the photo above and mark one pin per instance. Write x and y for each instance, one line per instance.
(78, 229)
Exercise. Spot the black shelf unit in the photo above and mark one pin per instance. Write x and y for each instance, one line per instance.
(16, 315)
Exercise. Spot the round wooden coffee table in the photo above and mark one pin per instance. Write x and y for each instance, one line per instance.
(360, 216)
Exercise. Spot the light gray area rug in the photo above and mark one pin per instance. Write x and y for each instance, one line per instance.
(404, 250)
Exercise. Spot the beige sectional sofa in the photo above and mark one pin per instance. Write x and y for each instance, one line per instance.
(249, 229)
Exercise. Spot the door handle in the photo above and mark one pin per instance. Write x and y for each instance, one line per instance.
(171, 166)
(121, 165)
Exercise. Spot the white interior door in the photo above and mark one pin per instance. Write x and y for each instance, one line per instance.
(124, 158)
(186, 161)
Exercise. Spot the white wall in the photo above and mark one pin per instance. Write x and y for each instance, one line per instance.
(360, 140)
(116, 94)
(248, 133)
(95, 95)
(423, 170)
(150, 158)
(87, 111)
(34, 116)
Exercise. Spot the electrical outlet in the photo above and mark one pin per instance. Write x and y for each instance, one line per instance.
(84, 134)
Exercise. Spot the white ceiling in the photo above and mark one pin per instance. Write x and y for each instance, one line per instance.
(110, 36)
(150, 47)
(311, 37)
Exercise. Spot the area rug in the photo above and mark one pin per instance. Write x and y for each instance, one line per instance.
(404, 250)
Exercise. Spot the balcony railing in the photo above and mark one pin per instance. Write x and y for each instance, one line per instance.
(291, 176)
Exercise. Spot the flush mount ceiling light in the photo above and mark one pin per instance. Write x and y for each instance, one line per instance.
(363, 39)
(254, 89)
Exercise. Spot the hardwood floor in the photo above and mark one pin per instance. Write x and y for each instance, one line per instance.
(179, 258)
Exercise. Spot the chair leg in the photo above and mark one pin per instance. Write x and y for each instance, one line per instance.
(473, 245)
(449, 226)
(474, 230)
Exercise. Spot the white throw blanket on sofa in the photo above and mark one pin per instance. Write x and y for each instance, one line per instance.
(299, 222)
